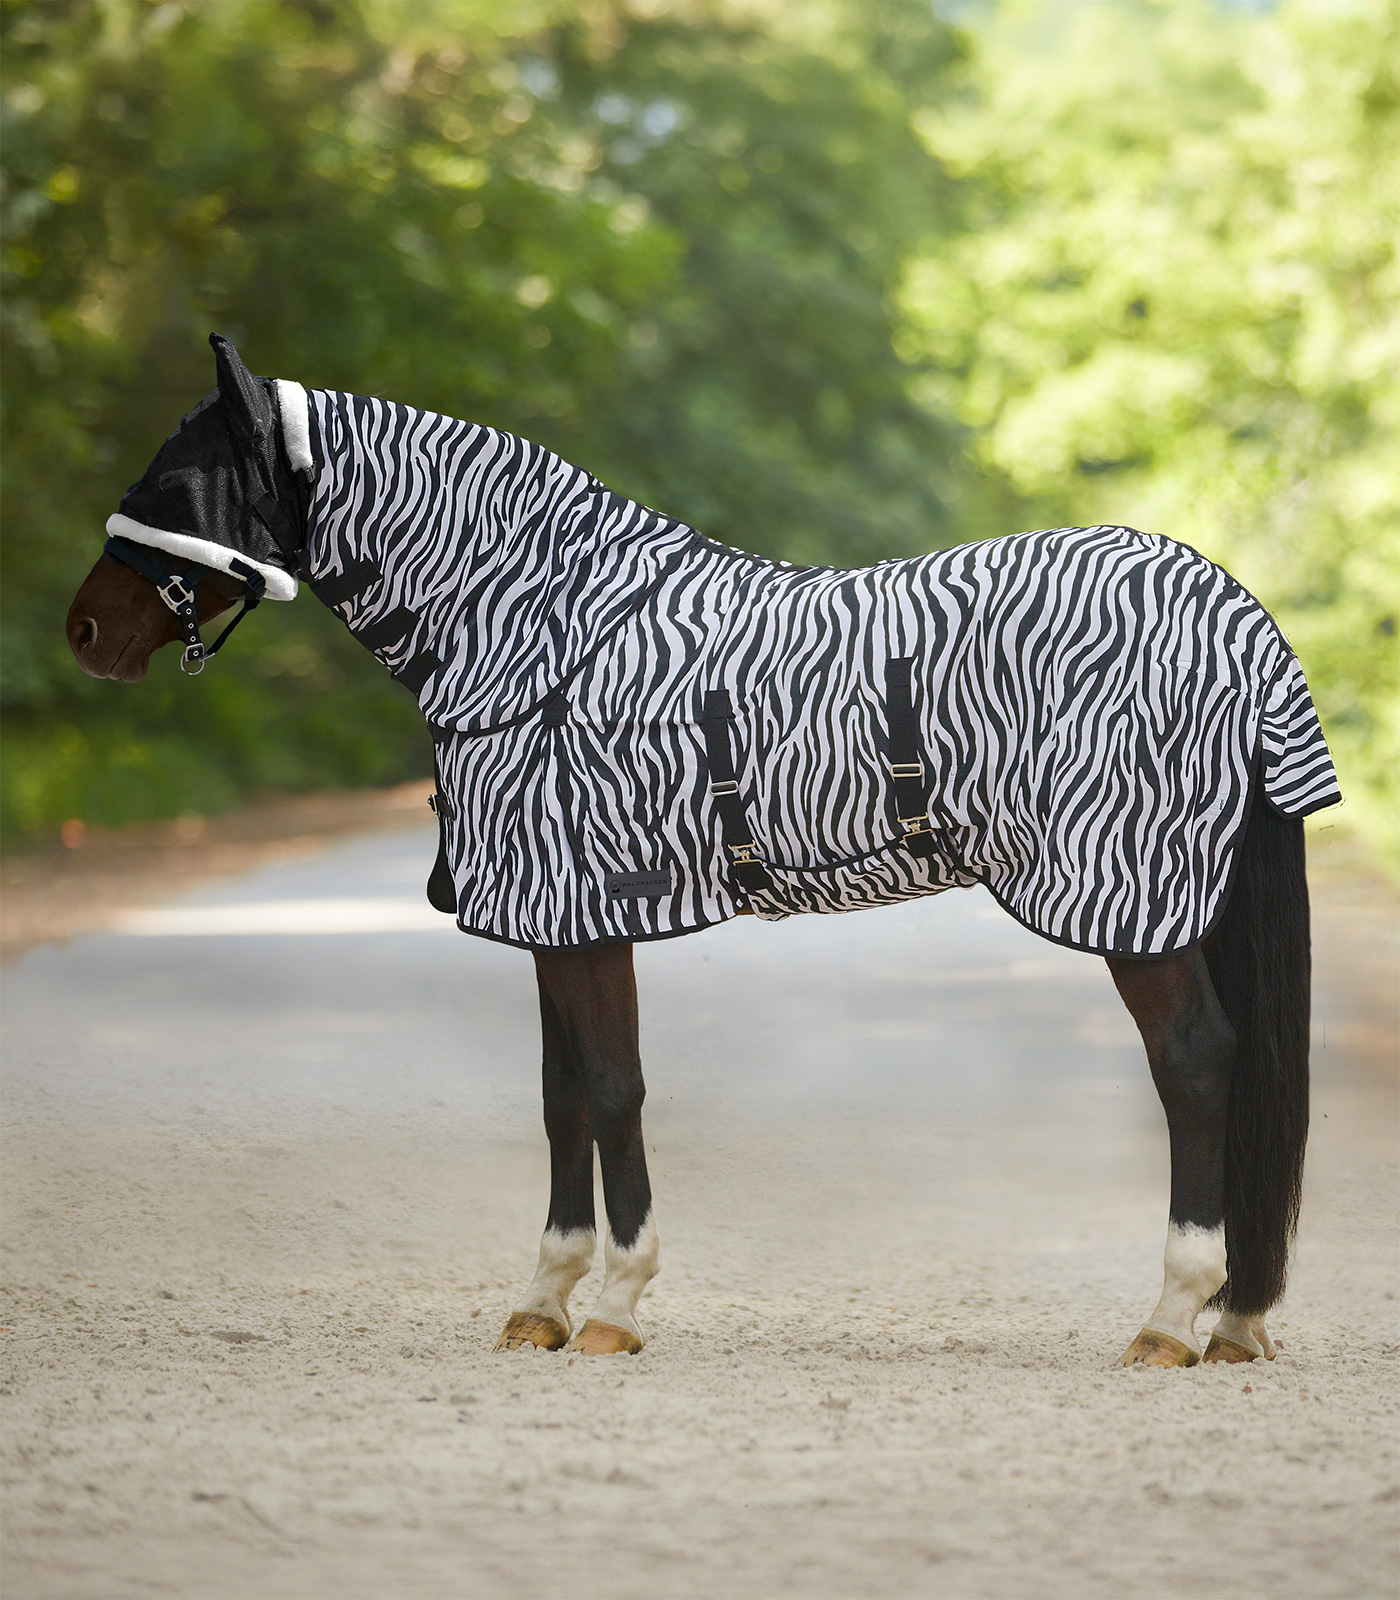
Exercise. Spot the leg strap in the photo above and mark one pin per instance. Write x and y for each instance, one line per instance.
(908, 771)
(742, 855)
(442, 888)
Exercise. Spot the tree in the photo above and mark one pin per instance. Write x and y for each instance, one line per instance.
(1178, 305)
(663, 240)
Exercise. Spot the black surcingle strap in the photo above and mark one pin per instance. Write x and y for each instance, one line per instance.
(742, 854)
(908, 772)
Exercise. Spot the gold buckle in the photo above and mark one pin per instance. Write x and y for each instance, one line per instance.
(906, 769)
(913, 825)
(744, 853)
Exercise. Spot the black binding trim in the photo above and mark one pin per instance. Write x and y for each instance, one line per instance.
(909, 774)
(742, 855)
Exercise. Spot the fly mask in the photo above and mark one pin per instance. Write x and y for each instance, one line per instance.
(227, 492)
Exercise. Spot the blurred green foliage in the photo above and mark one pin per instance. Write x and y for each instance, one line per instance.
(826, 278)
(664, 241)
(1177, 305)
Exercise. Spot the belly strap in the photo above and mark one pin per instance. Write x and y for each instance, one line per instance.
(742, 854)
(909, 773)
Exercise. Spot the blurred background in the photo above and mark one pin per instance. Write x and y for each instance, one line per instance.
(834, 280)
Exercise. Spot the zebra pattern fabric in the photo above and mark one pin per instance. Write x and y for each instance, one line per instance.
(1091, 704)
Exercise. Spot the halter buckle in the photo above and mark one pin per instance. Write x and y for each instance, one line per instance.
(196, 654)
(183, 595)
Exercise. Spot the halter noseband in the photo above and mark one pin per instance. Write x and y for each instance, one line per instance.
(177, 590)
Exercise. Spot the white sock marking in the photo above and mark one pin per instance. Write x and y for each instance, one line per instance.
(1195, 1269)
(1247, 1331)
(565, 1257)
(629, 1270)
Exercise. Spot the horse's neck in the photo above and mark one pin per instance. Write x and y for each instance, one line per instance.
(511, 557)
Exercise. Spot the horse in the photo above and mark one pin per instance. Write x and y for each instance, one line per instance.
(637, 729)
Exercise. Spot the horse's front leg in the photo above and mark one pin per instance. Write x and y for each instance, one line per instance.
(594, 993)
(1191, 1050)
(566, 1251)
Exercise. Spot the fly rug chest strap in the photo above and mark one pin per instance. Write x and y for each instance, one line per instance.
(396, 628)
(744, 859)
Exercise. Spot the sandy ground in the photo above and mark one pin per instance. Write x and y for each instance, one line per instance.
(271, 1192)
(53, 893)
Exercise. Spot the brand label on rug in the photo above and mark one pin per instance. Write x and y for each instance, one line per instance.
(637, 885)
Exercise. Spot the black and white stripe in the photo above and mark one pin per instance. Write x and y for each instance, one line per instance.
(1092, 701)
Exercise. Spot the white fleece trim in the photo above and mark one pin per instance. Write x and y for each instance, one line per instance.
(281, 585)
(294, 410)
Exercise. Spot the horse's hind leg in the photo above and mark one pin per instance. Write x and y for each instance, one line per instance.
(1191, 1049)
(566, 1251)
(595, 995)
(1237, 1337)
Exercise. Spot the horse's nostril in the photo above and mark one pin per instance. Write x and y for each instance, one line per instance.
(83, 635)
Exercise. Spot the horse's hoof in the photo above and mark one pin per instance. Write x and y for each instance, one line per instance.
(1153, 1349)
(529, 1327)
(1218, 1349)
(604, 1339)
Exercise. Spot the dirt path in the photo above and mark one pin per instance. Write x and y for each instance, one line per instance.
(53, 894)
(269, 1196)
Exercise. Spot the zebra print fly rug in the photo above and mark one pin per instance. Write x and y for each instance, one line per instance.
(640, 732)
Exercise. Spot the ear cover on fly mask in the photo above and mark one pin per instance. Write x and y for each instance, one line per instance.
(197, 497)
(247, 400)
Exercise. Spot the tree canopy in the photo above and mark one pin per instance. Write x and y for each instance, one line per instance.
(1178, 306)
(830, 279)
(662, 240)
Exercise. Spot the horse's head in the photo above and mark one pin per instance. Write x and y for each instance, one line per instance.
(118, 619)
(218, 518)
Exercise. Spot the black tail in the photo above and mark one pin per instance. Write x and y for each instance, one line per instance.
(1260, 962)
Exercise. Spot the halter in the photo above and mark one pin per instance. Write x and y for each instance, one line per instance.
(177, 590)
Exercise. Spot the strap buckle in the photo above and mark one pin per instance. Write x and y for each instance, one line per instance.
(913, 825)
(183, 595)
(745, 853)
(907, 769)
(192, 660)
(725, 786)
